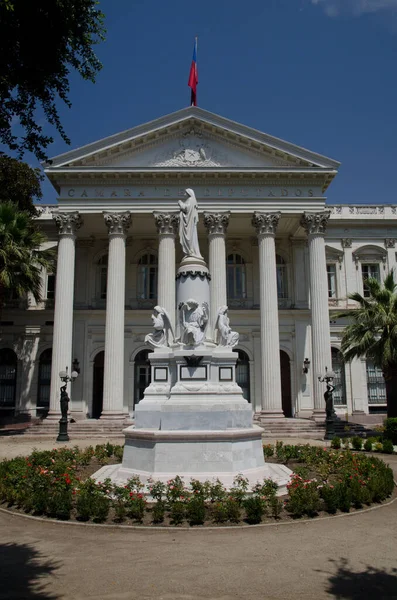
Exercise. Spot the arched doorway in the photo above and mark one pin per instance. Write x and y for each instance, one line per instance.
(243, 373)
(97, 386)
(44, 382)
(8, 378)
(142, 375)
(286, 397)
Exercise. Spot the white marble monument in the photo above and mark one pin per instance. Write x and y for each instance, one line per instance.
(193, 420)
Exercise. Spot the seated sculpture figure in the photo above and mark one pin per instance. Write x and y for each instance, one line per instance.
(226, 337)
(162, 326)
(193, 320)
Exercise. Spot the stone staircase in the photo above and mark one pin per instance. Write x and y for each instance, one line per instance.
(88, 428)
(291, 428)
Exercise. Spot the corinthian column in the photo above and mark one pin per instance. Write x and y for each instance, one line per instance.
(217, 224)
(167, 226)
(67, 224)
(266, 225)
(113, 378)
(315, 226)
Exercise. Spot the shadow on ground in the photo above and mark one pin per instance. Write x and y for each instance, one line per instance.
(25, 573)
(366, 584)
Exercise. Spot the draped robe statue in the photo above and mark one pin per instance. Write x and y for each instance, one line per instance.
(226, 337)
(188, 225)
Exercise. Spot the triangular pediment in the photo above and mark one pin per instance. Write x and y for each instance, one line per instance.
(188, 139)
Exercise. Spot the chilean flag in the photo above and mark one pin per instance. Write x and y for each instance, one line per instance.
(193, 76)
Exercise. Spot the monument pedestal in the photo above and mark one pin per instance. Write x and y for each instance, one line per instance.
(194, 422)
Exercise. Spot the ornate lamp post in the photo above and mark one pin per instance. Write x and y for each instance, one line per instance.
(63, 421)
(328, 377)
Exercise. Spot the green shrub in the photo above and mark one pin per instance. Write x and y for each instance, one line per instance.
(368, 445)
(388, 447)
(254, 509)
(195, 510)
(220, 512)
(93, 501)
(345, 496)
(118, 452)
(378, 447)
(336, 443)
(158, 512)
(217, 491)
(330, 494)
(303, 497)
(276, 506)
(239, 490)
(177, 512)
(391, 429)
(268, 450)
(280, 450)
(357, 442)
(233, 510)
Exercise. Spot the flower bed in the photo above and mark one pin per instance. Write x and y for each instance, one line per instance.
(57, 484)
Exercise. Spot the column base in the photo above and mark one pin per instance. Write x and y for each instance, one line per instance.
(110, 415)
(266, 415)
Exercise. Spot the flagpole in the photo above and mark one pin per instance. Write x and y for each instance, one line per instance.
(196, 38)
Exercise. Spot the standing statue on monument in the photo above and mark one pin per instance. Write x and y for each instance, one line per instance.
(188, 225)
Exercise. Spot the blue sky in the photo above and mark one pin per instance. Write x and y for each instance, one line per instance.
(318, 73)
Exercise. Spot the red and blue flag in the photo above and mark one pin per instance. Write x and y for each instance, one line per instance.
(193, 76)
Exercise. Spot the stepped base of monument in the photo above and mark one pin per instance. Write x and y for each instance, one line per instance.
(203, 455)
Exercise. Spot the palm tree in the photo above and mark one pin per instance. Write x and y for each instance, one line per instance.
(372, 332)
(21, 256)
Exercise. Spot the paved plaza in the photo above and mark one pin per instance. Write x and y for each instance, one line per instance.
(350, 556)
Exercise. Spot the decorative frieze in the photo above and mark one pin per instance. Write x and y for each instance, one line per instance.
(265, 223)
(67, 223)
(315, 223)
(390, 243)
(216, 223)
(166, 223)
(117, 223)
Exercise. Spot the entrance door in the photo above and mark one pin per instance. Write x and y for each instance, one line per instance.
(286, 384)
(97, 388)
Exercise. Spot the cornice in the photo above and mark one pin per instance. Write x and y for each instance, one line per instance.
(200, 117)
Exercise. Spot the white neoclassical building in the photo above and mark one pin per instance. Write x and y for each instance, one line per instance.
(285, 259)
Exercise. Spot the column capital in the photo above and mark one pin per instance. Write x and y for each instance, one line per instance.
(265, 223)
(315, 223)
(117, 223)
(216, 222)
(166, 222)
(67, 222)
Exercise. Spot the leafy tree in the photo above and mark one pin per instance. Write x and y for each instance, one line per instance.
(40, 42)
(372, 332)
(21, 256)
(19, 183)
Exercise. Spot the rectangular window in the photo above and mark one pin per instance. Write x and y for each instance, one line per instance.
(50, 286)
(103, 281)
(331, 276)
(375, 385)
(369, 271)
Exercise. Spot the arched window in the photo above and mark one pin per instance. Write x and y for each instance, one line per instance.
(243, 373)
(282, 277)
(339, 382)
(142, 376)
(43, 386)
(375, 384)
(8, 377)
(102, 277)
(147, 277)
(236, 277)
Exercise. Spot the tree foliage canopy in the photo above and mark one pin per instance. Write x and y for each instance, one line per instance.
(19, 183)
(21, 255)
(40, 42)
(373, 330)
